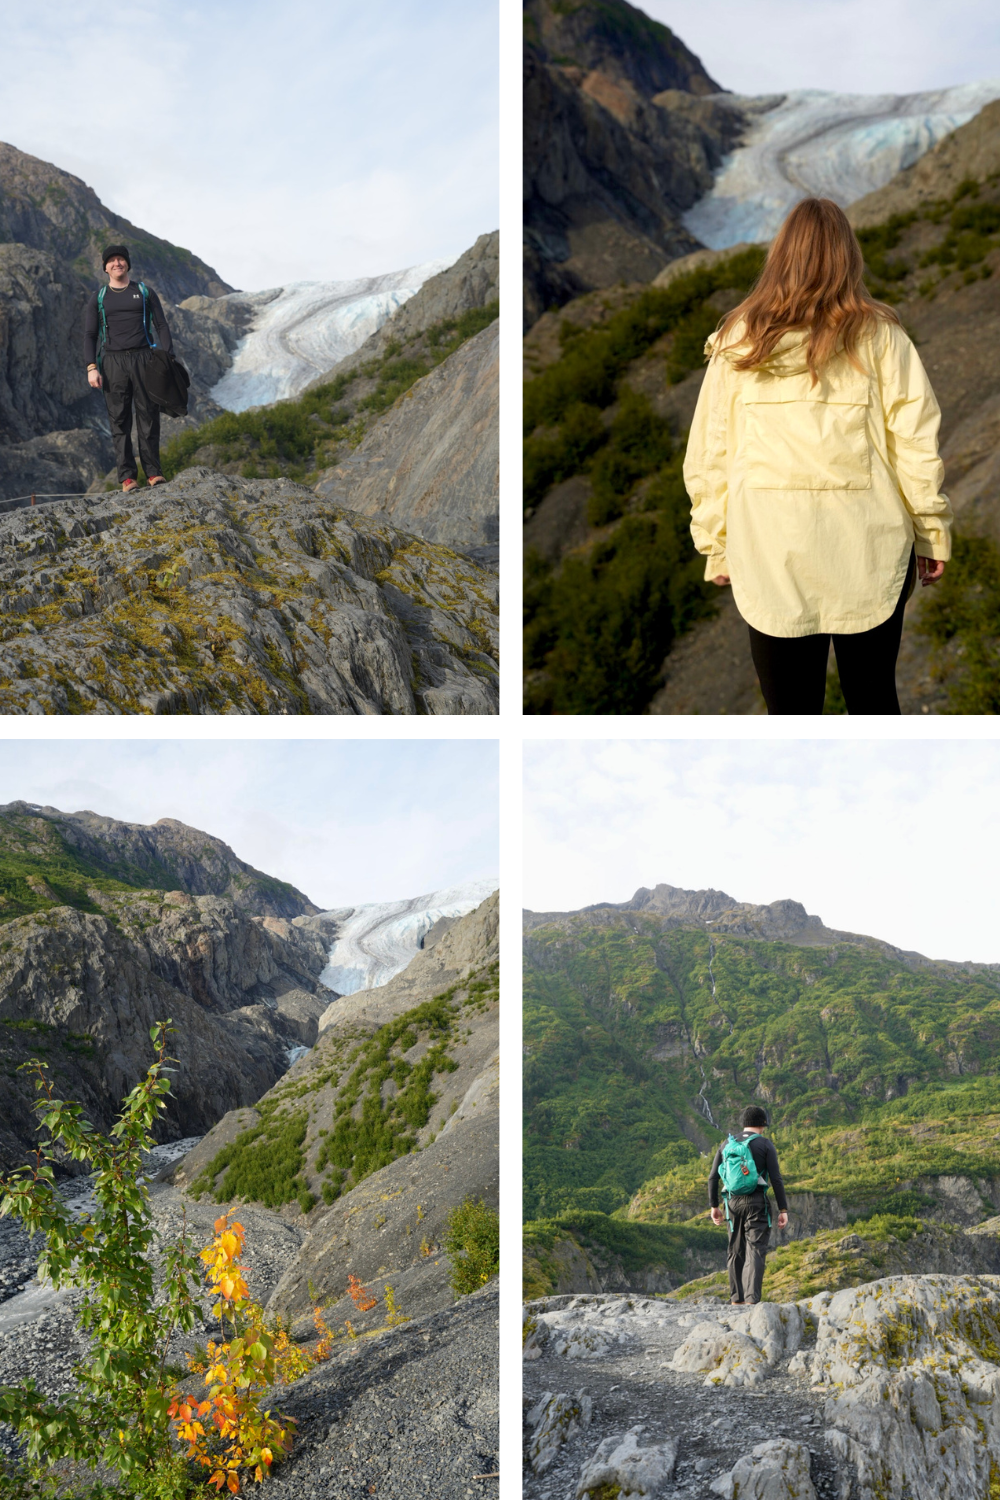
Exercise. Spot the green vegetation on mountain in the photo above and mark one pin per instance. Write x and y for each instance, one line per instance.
(962, 619)
(299, 437)
(971, 220)
(598, 626)
(635, 1246)
(39, 870)
(875, 1072)
(372, 1095)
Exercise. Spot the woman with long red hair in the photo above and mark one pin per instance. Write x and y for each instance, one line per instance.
(813, 470)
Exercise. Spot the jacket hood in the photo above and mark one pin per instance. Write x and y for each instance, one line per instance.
(788, 357)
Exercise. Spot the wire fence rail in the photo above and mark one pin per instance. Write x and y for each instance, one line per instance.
(23, 502)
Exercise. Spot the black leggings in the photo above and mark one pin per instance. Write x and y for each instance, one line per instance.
(792, 670)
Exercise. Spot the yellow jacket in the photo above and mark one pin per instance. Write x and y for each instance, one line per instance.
(811, 496)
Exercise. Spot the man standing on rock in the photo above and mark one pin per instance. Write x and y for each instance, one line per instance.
(744, 1166)
(123, 322)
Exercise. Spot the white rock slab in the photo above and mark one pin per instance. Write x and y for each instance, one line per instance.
(555, 1419)
(776, 1470)
(635, 1470)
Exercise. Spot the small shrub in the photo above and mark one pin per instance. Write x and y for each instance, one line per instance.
(473, 1244)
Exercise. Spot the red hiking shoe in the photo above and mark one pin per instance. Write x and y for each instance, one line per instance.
(156, 479)
(130, 484)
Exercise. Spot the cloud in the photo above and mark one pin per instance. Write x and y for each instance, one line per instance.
(851, 46)
(319, 144)
(886, 839)
(347, 822)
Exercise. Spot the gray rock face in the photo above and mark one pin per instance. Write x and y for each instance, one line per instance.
(623, 132)
(431, 464)
(214, 594)
(554, 1420)
(42, 384)
(777, 1470)
(473, 281)
(634, 1468)
(60, 463)
(85, 989)
(197, 863)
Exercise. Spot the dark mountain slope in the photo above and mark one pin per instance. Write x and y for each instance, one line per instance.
(623, 130)
(168, 855)
(48, 209)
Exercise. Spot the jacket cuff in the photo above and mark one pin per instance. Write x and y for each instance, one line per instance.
(940, 551)
(715, 566)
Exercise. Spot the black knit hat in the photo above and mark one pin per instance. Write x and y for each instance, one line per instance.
(112, 250)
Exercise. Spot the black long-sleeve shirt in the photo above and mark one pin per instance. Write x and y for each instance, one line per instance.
(123, 311)
(765, 1159)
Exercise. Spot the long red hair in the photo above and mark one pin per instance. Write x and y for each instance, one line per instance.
(813, 279)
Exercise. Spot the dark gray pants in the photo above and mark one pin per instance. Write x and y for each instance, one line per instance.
(748, 1241)
(123, 389)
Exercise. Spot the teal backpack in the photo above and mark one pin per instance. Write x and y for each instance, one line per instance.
(738, 1172)
(104, 321)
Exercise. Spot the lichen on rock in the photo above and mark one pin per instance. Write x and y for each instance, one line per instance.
(776, 1470)
(215, 594)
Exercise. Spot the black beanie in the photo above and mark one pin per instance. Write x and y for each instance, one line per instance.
(110, 250)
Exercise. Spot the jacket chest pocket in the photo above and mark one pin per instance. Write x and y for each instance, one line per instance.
(797, 439)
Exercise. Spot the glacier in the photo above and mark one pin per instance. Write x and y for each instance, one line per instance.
(300, 331)
(376, 942)
(813, 143)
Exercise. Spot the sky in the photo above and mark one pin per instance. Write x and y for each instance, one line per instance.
(346, 821)
(897, 840)
(301, 142)
(849, 46)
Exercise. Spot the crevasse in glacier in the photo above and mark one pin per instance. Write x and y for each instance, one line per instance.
(376, 942)
(838, 146)
(301, 330)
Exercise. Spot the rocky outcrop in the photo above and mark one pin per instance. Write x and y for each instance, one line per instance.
(886, 1391)
(47, 209)
(473, 281)
(167, 854)
(388, 1225)
(82, 989)
(623, 132)
(215, 594)
(431, 464)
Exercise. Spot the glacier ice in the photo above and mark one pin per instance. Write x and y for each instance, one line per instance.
(301, 330)
(838, 146)
(376, 942)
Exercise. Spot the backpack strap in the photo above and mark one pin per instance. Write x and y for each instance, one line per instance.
(145, 314)
(103, 336)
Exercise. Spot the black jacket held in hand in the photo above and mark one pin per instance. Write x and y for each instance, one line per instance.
(166, 382)
(765, 1159)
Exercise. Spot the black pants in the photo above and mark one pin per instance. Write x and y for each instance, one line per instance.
(792, 671)
(748, 1242)
(123, 388)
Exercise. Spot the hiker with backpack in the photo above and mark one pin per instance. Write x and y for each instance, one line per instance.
(745, 1166)
(123, 323)
(813, 470)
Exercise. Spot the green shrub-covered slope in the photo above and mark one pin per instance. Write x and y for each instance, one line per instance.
(39, 870)
(643, 1044)
(355, 1104)
(298, 438)
(600, 621)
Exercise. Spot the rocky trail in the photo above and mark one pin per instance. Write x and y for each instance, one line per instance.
(887, 1389)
